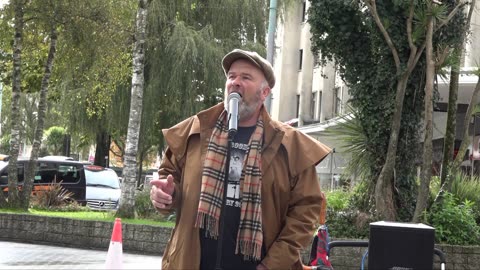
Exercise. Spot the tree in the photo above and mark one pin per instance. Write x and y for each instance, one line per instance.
(423, 193)
(361, 36)
(45, 17)
(13, 195)
(54, 138)
(435, 13)
(186, 41)
(447, 167)
(93, 73)
(384, 188)
(466, 140)
(127, 202)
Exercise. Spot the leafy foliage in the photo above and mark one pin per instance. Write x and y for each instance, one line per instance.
(344, 220)
(186, 41)
(54, 138)
(143, 205)
(463, 187)
(454, 221)
(5, 143)
(348, 224)
(54, 196)
(337, 200)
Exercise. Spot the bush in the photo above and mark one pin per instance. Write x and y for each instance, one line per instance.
(360, 198)
(348, 224)
(454, 222)
(464, 187)
(337, 200)
(54, 196)
(144, 207)
(344, 220)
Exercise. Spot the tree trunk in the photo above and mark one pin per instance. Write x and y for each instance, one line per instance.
(13, 195)
(449, 142)
(466, 123)
(102, 149)
(384, 203)
(127, 202)
(423, 193)
(42, 109)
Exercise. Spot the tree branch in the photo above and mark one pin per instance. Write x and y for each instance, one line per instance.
(450, 15)
(372, 6)
(409, 28)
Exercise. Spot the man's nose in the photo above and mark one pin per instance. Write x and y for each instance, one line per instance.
(236, 81)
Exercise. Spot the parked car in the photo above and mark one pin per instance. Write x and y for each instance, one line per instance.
(69, 173)
(103, 190)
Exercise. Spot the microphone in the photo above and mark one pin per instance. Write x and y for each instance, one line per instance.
(233, 100)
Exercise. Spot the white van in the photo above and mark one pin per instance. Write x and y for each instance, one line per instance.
(103, 189)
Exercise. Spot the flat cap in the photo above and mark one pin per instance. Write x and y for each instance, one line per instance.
(253, 57)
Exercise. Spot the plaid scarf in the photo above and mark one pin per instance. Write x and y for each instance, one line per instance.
(249, 236)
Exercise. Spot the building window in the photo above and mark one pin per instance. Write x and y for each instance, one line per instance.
(316, 60)
(337, 93)
(313, 103)
(320, 105)
(298, 105)
(300, 59)
(304, 11)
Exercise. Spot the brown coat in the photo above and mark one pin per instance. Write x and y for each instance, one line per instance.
(291, 197)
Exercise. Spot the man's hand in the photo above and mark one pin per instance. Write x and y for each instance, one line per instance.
(161, 192)
(261, 266)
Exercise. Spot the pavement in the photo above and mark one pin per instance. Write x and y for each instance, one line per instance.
(15, 255)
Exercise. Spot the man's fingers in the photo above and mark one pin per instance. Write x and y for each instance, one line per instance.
(158, 205)
(159, 196)
(155, 182)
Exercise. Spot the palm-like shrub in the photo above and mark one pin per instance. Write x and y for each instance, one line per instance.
(53, 196)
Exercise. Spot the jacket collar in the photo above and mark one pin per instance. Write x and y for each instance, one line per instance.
(272, 137)
(206, 120)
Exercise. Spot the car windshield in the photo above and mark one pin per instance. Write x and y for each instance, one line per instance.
(3, 164)
(102, 178)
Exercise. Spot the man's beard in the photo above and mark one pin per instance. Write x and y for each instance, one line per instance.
(245, 110)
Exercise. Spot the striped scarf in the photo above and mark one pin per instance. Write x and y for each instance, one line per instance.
(249, 236)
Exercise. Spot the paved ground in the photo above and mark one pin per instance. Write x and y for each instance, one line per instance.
(32, 256)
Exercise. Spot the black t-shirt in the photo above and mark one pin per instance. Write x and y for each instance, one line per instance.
(230, 260)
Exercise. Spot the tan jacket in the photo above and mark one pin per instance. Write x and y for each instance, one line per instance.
(291, 198)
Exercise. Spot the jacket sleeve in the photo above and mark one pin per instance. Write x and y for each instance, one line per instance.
(171, 166)
(300, 223)
(173, 160)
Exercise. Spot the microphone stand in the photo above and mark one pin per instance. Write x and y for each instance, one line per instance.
(218, 262)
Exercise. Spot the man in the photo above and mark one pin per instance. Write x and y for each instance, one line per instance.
(272, 206)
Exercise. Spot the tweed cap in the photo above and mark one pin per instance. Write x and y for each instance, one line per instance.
(253, 57)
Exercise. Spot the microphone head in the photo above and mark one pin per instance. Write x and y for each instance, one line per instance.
(233, 95)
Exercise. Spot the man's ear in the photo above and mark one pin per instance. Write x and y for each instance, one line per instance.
(265, 92)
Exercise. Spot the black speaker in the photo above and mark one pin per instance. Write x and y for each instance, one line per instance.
(394, 245)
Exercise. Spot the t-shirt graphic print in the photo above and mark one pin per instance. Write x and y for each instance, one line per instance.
(237, 158)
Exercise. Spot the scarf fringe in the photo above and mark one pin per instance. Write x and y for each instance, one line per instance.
(250, 250)
(208, 223)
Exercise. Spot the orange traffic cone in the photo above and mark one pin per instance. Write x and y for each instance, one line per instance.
(115, 251)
